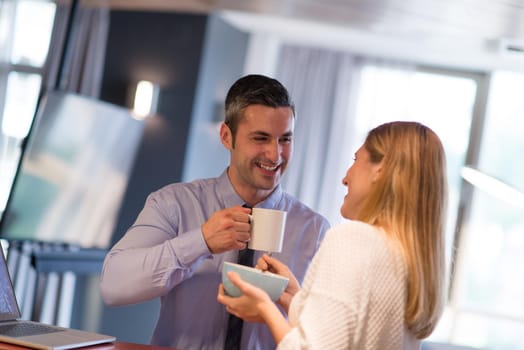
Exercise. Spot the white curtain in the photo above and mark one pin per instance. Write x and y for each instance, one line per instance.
(83, 65)
(323, 85)
(81, 72)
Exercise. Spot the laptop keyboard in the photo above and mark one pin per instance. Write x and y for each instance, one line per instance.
(25, 329)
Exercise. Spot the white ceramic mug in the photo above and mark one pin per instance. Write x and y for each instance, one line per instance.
(267, 229)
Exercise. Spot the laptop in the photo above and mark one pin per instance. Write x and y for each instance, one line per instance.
(35, 334)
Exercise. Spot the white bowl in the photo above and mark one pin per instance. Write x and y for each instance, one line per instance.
(271, 283)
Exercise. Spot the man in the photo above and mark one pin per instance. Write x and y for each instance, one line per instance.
(177, 246)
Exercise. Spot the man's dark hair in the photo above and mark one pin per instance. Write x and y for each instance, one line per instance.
(250, 90)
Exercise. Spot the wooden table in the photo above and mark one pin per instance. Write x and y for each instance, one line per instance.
(109, 346)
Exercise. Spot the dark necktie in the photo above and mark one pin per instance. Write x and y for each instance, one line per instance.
(234, 324)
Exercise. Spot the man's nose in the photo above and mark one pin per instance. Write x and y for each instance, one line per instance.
(273, 151)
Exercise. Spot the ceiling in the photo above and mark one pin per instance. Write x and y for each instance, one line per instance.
(444, 27)
(489, 19)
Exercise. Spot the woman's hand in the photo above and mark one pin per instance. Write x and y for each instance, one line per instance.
(249, 305)
(254, 305)
(268, 263)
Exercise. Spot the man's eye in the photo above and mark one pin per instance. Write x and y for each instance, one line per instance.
(286, 139)
(260, 138)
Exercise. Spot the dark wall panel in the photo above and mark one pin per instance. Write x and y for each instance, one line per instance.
(166, 49)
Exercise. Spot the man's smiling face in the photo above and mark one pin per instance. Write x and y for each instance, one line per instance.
(261, 150)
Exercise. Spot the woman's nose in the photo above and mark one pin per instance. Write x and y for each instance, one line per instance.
(345, 180)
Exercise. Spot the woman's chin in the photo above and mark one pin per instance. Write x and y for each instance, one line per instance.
(346, 214)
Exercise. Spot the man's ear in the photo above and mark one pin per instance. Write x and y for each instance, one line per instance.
(226, 137)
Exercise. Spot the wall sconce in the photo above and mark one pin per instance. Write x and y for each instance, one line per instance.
(145, 99)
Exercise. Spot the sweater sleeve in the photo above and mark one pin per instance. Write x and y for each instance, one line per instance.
(352, 296)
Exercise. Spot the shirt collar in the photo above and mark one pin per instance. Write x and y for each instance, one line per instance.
(231, 198)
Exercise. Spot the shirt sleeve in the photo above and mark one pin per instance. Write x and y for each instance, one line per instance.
(152, 257)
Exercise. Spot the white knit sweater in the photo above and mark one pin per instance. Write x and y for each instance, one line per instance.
(353, 295)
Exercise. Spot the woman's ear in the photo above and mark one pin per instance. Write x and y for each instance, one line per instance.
(226, 137)
(377, 170)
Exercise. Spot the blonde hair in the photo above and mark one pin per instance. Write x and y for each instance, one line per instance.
(408, 201)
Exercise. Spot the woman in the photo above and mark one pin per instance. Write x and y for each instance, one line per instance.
(377, 280)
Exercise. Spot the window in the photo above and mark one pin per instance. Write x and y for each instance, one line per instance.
(486, 306)
(488, 297)
(25, 33)
(437, 99)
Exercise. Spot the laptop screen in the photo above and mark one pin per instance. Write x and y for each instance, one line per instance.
(8, 305)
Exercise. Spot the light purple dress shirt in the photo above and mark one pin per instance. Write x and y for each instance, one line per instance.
(164, 255)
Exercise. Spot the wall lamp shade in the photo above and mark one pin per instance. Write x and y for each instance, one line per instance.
(493, 186)
(145, 99)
